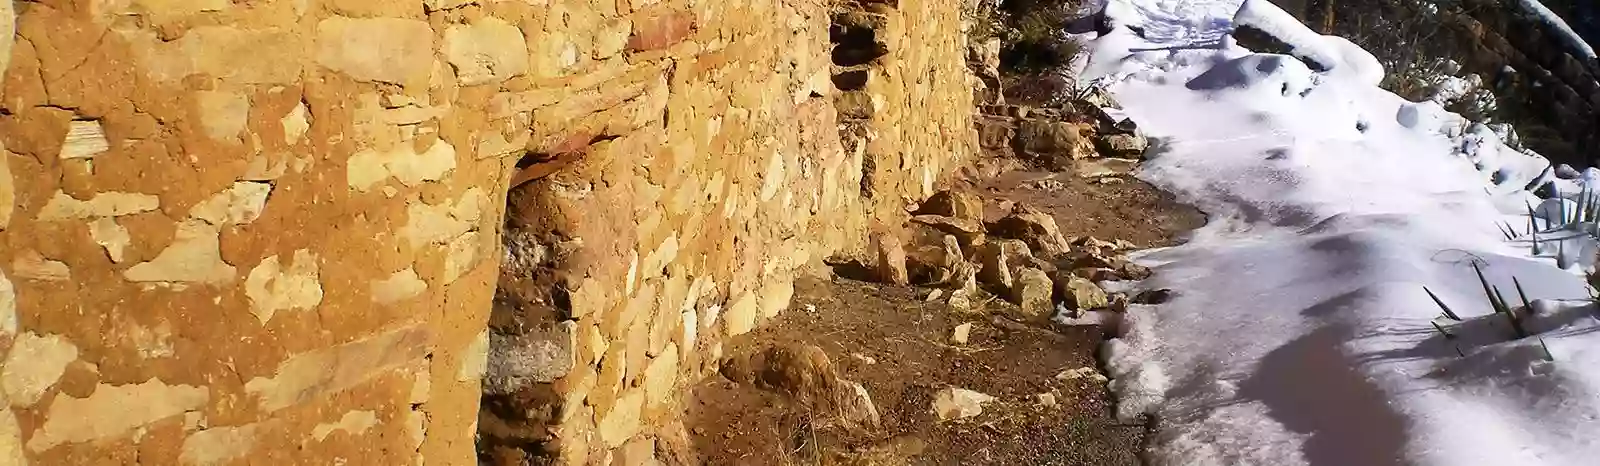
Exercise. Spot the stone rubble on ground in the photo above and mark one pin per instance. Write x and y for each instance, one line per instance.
(952, 403)
(1046, 399)
(1082, 373)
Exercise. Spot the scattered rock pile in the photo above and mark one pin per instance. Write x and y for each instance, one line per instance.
(1088, 136)
(1021, 257)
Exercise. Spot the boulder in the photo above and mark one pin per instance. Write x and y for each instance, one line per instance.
(1053, 145)
(856, 408)
(891, 266)
(968, 232)
(1000, 259)
(1032, 292)
(1124, 146)
(953, 403)
(954, 204)
(1160, 296)
(1035, 228)
(1081, 294)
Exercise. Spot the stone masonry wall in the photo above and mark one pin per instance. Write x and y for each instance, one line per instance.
(271, 232)
(659, 241)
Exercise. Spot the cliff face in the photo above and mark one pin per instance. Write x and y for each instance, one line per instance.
(278, 231)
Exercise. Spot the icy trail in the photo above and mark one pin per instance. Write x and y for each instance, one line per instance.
(1300, 332)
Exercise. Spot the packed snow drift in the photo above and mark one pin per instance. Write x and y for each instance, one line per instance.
(1331, 312)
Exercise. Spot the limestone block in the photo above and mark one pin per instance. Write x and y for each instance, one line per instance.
(1032, 292)
(390, 50)
(660, 376)
(487, 51)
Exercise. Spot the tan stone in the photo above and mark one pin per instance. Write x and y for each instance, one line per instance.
(1032, 293)
(439, 224)
(8, 189)
(368, 167)
(775, 295)
(1035, 227)
(28, 264)
(741, 315)
(952, 403)
(460, 256)
(1081, 294)
(954, 204)
(1000, 261)
(111, 236)
(272, 287)
(219, 445)
(85, 139)
(8, 307)
(487, 51)
(294, 124)
(390, 50)
(113, 410)
(661, 375)
(11, 451)
(960, 335)
(223, 114)
(230, 54)
(354, 423)
(400, 286)
(35, 364)
(193, 256)
(241, 203)
(475, 358)
(306, 375)
(624, 419)
(103, 204)
(891, 255)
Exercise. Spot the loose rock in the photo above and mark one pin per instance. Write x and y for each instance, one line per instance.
(891, 260)
(1032, 293)
(954, 204)
(1036, 228)
(968, 232)
(1153, 296)
(999, 259)
(1081, 373)
(1082, 294)
(953, 403)
(961, 333)
(1045, 400)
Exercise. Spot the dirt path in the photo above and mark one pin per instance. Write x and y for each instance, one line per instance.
(1050, 407)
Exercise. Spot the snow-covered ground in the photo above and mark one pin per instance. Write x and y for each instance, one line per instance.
(1301, 331)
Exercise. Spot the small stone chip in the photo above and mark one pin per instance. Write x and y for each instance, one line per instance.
(1082, 373)
(961, 334)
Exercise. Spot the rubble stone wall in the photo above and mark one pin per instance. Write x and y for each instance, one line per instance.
(272, 232)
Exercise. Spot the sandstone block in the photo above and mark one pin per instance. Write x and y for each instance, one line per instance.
(489, 50)
(390, 50)
(658, 28)
(968, 232)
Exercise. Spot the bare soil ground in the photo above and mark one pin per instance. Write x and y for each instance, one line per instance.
(897, 344)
